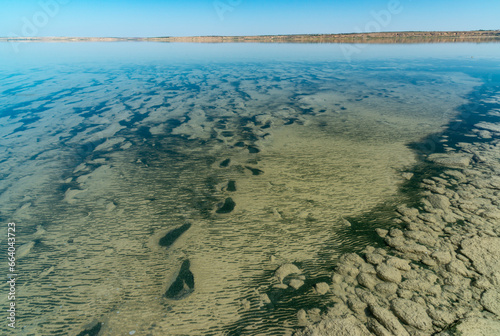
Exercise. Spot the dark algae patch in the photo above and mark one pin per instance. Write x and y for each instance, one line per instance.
(183, 284)
(225, 163)
(173, 235)
(240, 144)
(253, 150)
(231, 186)
(255, 171)
(227, 207)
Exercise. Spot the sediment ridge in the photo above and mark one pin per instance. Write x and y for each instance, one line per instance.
(440, 271)
(379, 37)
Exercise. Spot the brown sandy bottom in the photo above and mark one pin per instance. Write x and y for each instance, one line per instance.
(117, 157)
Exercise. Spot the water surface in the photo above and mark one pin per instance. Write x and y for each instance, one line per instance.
(127, 164)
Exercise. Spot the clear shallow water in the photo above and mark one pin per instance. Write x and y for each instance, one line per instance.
(107, 147)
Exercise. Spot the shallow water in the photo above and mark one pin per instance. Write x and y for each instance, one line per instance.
(106, 148)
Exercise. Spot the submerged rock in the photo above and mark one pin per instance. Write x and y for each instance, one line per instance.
(302, 317)
(264, 298)
(367, 280)
(296, 283)
(406, 246)
(340, 326)
(399, 263)
(443, 257)
(388, 320)
(484, 134)
(453, 160)
(381, 232)
(322, 288)
(374, 258)
(489, 126)
(173, 235)
(484, 252)
(458, 267)
(411, 313)
(491, 301)
(376, 328)
(183, 284)
(474, 326)
(439, 201)
(388, 273)
(285, 270)
(386, 288)
(441, 317)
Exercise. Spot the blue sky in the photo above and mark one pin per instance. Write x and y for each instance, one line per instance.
(239, 17)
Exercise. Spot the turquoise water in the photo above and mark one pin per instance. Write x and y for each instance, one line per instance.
(156, 187)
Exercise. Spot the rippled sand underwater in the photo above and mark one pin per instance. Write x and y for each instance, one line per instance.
(263, 160)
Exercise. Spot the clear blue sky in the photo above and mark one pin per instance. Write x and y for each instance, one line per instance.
(239, 17)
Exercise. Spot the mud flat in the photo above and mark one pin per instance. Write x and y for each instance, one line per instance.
(440, 271)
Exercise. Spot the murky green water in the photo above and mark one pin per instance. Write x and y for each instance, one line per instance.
(258, 152)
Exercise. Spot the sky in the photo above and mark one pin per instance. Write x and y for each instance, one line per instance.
(152, 18)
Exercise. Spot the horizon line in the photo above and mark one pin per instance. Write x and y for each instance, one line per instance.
(257, 35)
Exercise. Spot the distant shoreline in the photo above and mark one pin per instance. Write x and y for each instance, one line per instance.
(383, 37)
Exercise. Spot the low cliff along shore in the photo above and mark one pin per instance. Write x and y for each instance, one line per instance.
(439, 273)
